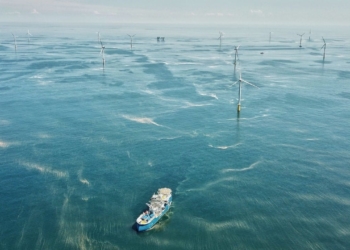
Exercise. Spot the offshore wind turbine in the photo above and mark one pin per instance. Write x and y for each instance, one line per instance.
(309, 35)
(102, 53)
(28, 34)
(301, 38)
(98, 37)
(131, 40)
(220, 37)
(14, 40)
(324, 49)
(236, 56)
(240, 90)
(270, 37)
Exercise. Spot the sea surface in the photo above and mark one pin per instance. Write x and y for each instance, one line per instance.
(84, 146)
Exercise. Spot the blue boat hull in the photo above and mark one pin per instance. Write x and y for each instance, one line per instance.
(149, 225)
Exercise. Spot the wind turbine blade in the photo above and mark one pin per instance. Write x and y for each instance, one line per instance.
(249, 83)
(234, 83)
(324, 40)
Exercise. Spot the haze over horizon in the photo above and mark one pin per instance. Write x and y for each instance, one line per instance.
(309, 12)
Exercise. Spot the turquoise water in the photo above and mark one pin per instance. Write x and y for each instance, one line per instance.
(82, 147)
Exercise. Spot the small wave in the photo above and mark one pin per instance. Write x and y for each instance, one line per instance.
(81, 179)
(189, 104)
(36, 77)
(44, 83)
(44, 169)
(84, 181)
(143, 120)
(200, 92)
(4, 144)
(252, 166)
(5, 122)
(207, 186)
(210, 95)
(224, 147)
(44, 136)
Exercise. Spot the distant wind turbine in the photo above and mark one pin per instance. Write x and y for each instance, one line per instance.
(102, 53)
(220, 37)
(240, 90)
(131, 40)
(236, 56)
(14, 40)
(98, 37)
(324, 49)
(28, 34)
(301, 38)
(270, 37)
(309, 35)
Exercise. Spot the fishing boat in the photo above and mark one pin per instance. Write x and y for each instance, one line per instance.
(158, 205)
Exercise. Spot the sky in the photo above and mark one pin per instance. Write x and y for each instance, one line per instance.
(178, 11)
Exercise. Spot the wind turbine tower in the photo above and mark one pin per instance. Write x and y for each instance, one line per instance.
(324, 49)
(309, 35)
(236, 56)
(240, 90)
(301, 38)
(220, 37)
(14, 40)
(102, 53)
(28, 34)
(131, 40)
(98, 37)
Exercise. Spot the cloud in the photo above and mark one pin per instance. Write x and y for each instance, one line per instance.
(214, 14)
(256, 12)
(17, 13)
(35, 11)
